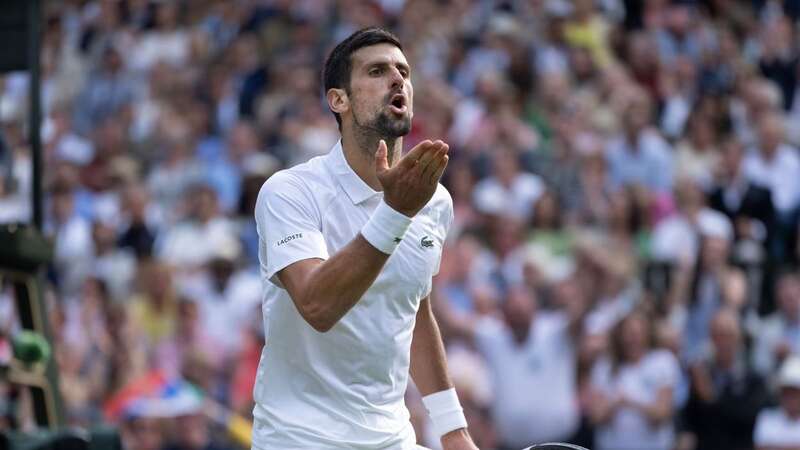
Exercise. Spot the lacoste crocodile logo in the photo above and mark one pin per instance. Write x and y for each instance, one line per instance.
(426, 242)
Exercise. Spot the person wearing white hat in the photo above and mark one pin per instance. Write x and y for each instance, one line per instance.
(779, 428)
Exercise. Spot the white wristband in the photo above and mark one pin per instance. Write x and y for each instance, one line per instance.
(445, 411)
(386, 228)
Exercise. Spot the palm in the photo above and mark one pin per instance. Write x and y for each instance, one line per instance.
(410, 184)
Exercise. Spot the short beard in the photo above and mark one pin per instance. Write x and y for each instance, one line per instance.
(381, 127)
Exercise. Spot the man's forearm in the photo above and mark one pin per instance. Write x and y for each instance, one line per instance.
(324, 291)
(428, 361)
(429, 371)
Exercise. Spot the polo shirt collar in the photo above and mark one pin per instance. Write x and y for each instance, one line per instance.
(353, 185)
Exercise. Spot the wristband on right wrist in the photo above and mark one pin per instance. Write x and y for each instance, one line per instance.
(385, 228)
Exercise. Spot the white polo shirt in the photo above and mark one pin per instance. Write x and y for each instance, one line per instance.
(342, 389)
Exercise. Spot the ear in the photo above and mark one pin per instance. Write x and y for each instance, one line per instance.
(338, 101)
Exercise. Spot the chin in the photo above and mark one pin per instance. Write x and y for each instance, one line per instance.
(393, 127)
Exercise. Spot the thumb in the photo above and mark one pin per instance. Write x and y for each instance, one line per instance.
(381, 161)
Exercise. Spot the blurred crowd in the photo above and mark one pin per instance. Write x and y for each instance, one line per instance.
(622, 269)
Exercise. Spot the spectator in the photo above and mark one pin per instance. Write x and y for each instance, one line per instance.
(142, 433)
(779, 334)
(508, 192)
(73, 241)
(726, 394)
(633, 390)
(639, 155)
(206, 231)
(773, 163)
(536, 348)
(779, 428)
(192, 432)
(747, 205)
(697, 156)
(153, 309)
(106, 92)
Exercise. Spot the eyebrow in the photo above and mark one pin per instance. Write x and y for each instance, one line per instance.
(400, 64)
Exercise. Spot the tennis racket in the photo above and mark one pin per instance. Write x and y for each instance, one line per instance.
(556, 446)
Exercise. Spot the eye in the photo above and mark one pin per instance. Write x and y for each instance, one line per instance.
(404, 73)
(376, 71)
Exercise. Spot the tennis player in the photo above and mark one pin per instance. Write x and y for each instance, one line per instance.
(348, 244)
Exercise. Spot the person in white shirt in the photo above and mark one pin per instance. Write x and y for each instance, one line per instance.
(778, 335)
(508, 192)
(348, 244)
(775, 164)
(779, 428)
(531, 356)
(632, 391)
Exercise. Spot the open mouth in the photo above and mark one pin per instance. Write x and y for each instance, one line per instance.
(398, 104)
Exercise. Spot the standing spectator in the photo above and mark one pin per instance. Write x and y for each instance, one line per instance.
(633, 389)
(532, 352)
(726, 394)
(779, 428)
(779, 335)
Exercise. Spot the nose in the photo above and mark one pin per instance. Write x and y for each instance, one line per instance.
(396, 79)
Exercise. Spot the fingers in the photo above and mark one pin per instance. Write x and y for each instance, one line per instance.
(437, 174)
(381, 160)
(430, 162)
(412, 158)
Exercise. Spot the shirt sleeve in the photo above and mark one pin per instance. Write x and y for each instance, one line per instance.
(289, 224)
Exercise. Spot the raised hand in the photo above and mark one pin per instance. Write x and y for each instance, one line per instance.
(410, 184)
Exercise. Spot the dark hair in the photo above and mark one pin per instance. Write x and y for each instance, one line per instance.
(616, 344)
(339, 64)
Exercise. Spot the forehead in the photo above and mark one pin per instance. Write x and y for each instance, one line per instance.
(379, 53)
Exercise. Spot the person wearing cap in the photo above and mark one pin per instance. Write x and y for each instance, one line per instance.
(779, 428)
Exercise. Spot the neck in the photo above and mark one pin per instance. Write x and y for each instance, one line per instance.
(359, 151)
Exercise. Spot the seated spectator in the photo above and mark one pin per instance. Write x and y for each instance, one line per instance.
(774, 163)
(191, 432)
(153, 308)
(508, 192)
(726, 394)
(204, 232)
(676, 237)
(639, 155)
(697, 156)
(779, 428)
(633, 387)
